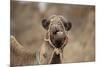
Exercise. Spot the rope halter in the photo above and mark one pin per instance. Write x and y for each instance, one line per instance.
(55, 49)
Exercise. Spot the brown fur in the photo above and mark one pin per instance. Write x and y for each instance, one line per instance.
(20, 55)
(52, 50)
(47, 53)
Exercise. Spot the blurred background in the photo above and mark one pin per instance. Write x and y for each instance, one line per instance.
(26, 26)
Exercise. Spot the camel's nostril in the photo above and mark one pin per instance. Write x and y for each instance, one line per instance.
(55, 32)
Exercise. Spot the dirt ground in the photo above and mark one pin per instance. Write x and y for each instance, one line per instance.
(26, 26)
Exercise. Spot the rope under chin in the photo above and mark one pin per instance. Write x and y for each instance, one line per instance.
(58, 51)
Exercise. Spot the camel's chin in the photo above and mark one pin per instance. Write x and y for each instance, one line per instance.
(58, 42)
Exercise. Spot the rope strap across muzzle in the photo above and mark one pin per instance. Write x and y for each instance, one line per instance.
(58, 51)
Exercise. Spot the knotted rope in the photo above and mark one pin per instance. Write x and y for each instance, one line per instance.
(56, 50)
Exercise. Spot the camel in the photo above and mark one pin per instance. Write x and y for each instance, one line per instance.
(51, 51)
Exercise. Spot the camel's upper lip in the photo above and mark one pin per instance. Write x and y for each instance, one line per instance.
(59, 35)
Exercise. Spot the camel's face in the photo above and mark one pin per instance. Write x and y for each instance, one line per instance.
(57, 26)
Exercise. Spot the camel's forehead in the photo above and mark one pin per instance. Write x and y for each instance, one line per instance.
(55, 19)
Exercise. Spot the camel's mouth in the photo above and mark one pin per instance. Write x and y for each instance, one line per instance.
(58, 39)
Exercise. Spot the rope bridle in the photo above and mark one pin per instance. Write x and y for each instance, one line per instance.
(55, 50)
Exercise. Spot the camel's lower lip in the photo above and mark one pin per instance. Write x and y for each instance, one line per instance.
(58, 39)
(58, 43)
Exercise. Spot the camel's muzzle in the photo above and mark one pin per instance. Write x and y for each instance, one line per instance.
(58, 39)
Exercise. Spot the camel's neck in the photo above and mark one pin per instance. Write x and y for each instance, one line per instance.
(56, 59)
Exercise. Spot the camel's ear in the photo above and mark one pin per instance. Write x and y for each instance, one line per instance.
(45, 24)
(68, 25)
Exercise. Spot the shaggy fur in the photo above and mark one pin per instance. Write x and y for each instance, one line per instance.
(51, 51)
